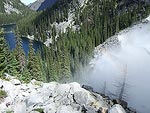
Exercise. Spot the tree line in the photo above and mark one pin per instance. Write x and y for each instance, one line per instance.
(71, 51)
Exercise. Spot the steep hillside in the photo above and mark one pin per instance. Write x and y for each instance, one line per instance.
(40, 5)
(12, 10)
(46, 4)
(73, 28)
(77, 13)
(35, 5)
(12, 6)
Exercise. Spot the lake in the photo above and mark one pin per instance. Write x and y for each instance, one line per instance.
(11, 39)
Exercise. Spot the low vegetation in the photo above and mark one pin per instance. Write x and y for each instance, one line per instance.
(40, 110)
(3, 94)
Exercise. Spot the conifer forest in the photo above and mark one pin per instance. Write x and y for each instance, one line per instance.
(71, 50)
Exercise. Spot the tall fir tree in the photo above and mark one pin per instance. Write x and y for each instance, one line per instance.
(3, 52)
(19, 53)
(33, 64)
(8, 62)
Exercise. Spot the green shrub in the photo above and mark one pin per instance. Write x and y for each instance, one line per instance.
(3, 94)
(9, 112)
(40, 110)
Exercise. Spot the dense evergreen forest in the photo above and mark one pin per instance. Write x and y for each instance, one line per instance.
(71, 50)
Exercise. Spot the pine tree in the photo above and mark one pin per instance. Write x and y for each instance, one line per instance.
(3, 52)
(117, 24)
(8, 62)
(42, 67)
(34, 64)
(12, 65)
(64, 63)
(19, 53)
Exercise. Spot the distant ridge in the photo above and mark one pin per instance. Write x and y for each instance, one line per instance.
(41, 4)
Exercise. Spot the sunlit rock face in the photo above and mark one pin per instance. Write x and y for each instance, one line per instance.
(123, 59)
(116, 109)
(40, 5)
(11, 6)
(39, 97)
(36, 5)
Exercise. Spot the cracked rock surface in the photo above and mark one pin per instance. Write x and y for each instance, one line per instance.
(39, 97)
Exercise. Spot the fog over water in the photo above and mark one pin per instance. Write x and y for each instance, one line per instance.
(130, 60)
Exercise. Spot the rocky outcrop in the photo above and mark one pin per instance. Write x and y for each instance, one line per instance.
(9, 7)
(40, 5)
(116, 109)
(39, 97)
(35, 5)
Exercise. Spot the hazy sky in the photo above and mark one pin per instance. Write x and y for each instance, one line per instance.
(27, 1)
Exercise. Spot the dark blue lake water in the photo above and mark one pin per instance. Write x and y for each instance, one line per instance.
(11, 39)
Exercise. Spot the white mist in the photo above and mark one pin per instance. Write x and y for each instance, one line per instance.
(131, 58)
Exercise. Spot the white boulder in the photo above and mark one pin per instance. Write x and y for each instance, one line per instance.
(51, 98)
(15, 82)
(83, 98)
(20, 107)
(51, 108)
(67, 109)
(116, 109)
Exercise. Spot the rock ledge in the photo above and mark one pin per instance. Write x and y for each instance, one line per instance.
(39, 97)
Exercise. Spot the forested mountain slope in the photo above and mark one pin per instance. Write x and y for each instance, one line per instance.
(72, 29)
(84, 13)
(12, 10)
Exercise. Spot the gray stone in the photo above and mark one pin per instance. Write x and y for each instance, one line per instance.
(66, 109)
(35, 5)
(65, 101)
(123, 103)
(20, 107)
(87, 99)
(62, 89)
(52, 97)
(81, 97)
(75, 87)
(34, 99)
(51, 108)
(116, 109)
(15, 82)
(76, 107)
(89, 88)
(90, 109)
